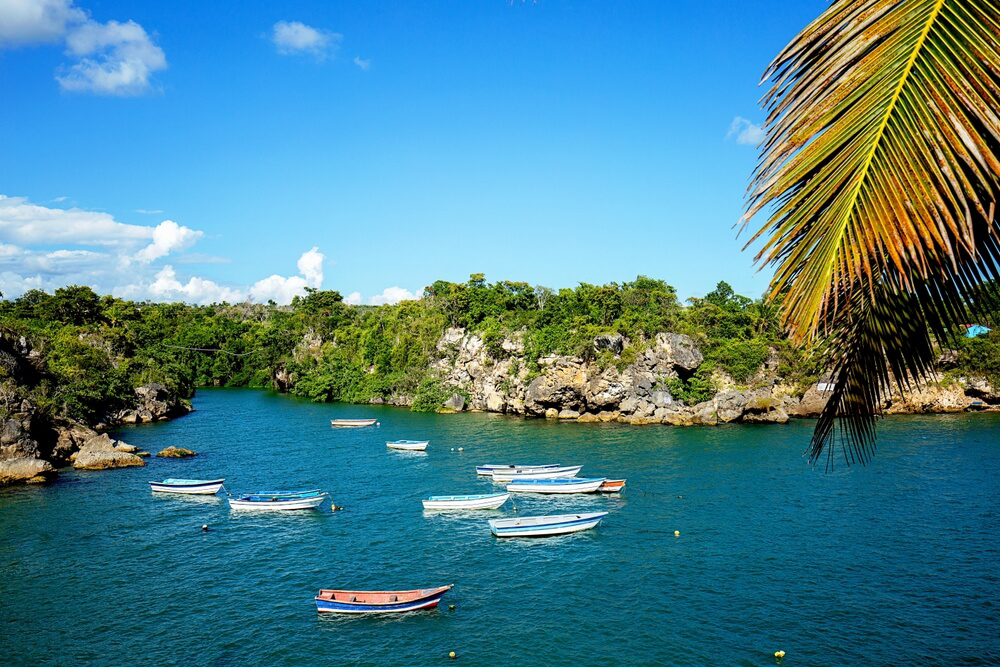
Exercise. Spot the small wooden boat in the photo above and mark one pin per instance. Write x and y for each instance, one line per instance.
(542, 526)
(482, 501)
(556, 485)
(379, 602)
(612, 486)
(297, 500)
(545, 473)
(194, 486)
(490, 468)
(411, 445)
(352, 423)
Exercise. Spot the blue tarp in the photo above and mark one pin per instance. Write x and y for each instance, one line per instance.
(974, 330)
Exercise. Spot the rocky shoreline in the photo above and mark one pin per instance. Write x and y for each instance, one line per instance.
(34, 445)
(569, 388)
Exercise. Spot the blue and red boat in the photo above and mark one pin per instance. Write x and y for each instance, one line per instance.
(379, 602)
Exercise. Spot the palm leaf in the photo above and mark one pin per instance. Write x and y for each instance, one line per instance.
(880, 173)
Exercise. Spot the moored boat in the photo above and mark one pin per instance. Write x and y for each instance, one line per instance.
(191, 486)
(543, 526)
(556, 485)
(379, 602)
(352, 423)
(302, 500)
(545, 473)
(490, 468)
(612, 486)
(412, 445)
(482, 501)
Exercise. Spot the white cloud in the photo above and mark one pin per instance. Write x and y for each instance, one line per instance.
(195, 290)
(168, 236)
(745, 132)
(294, 38)
(392, 295)
(115, 59)
(362, 63)
(24, 222)
(24, 22)
(282, 290)
(353, 299)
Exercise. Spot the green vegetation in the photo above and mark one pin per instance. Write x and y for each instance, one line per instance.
(97, 348)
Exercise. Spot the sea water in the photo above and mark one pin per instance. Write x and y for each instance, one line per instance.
(893, 563)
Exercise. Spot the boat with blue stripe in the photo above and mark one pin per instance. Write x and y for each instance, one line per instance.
(479, 501)
(490, 468)
(190, 486)
(276, 500)
(411, 445)
(543, 526)
(379, 602)
(556, 485)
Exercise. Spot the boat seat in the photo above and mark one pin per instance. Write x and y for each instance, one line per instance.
(393, 598)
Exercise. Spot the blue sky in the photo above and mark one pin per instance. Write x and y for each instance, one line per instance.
(196, 151)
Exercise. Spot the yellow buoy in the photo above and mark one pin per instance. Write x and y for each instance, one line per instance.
(452, 655)
(677, 533)
(779, 654)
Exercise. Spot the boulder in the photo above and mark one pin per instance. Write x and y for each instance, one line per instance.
(765, 409)
(101, 452)
(456, 402)
(568, 414)
(614, 343)
(729, 405)
(25, 470)
(704, 414)
(561, 387)
(678, 351)
(588, 418)
(176, 452)
(812, 403)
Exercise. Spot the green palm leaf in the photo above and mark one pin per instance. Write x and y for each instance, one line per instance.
(880, 173)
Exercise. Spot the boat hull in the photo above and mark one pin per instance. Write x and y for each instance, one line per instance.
(612, 486)
(352, 423)
(545, 526)
(378, 602)
(412, 446)
(188, 486)
(480, 502)
(570, 485)
(548, 473)
(277, 504)
(491, 468)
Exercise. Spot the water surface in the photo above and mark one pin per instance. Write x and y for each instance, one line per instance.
(890, 564)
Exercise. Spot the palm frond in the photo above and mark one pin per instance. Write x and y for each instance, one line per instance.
(880, 173)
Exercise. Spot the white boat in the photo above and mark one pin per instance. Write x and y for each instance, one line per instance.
(193, 486)
(412, 445)
(490, 468)
(541, 526)
(556, 485)
(305, 500)
(546, 473)
(352, 423)
(482, 501)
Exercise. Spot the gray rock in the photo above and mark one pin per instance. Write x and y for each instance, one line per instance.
(662, 398)
(729, 405)
(456, 402)
(568, 414)
(765, 409)
(25, 470)
(613, 342)
(679, 351)
(101, 452)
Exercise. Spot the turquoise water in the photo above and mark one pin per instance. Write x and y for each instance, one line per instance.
(892, 564)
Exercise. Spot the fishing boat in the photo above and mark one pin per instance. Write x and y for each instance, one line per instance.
(411, 445)
(490, 468)
(482, 501)
(379, 602)
(556, 485)
(195, 486)
(612, 486)
(546, 473)
(271, 501)
(352, 423)
(542, 526)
